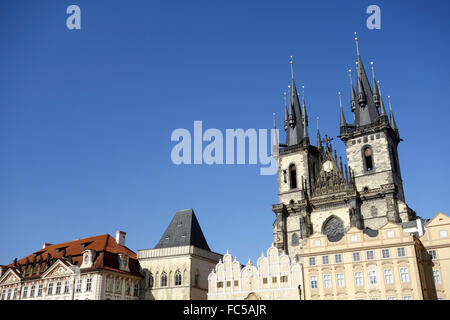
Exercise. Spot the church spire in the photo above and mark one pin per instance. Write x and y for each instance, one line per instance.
(376, 93)
(295, 131)
(343, 122)
(286, 114)
(319, 141)
(383, 110)
(305, 118)
(393, 123)
(352, 92)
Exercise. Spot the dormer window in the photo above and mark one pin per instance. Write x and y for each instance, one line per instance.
(124, 261)
(88, 258)
(293, 176)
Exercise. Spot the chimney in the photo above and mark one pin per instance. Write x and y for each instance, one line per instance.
(120, 237)
(45, 245)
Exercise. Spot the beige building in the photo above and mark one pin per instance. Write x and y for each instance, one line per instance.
(273, 278)
(365, 265)
(436, 241)
(178, 267)
(94, 268)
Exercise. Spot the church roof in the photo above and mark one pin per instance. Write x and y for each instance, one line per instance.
(183, 230)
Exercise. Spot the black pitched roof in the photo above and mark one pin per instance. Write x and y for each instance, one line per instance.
(183, 230)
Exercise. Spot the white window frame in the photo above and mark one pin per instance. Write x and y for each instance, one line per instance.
(384, 255)
(373, 279)
(371, 254)
(325, 260)
(327, 281)
(338, 258)
(313, 282)
(356, 254)
(437, 276)
(340, 280)
(388, 276)
(404, 274)
(313, 260)
(359, 279)
(401, 250)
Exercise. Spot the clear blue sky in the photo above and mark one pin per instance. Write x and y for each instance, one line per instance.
(86, 116)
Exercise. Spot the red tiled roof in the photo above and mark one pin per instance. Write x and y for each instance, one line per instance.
(106, 247)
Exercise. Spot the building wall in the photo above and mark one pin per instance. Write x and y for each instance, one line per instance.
(355, 241)
(437, 239)
(274, 278)
(300, 159)
(189, 260)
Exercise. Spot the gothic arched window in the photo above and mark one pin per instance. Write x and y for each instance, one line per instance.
(293, 176)
(294, 239)
(368, 162)
(178, 278)
(163, 279)
(150, 280)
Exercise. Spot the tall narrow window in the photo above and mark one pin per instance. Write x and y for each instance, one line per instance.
(164, 280)
(436, 277)
(313, 281)
(293, 176)
(178, 278)
(150, 280)
(294, 239)
(368, 159)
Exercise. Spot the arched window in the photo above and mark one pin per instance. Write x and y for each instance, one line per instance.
(294, 239)
(150, 280)
(293, 176)
(163, 279)
(368, 159)
(178, 278)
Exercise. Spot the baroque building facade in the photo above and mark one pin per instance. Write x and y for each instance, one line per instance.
(94, 268)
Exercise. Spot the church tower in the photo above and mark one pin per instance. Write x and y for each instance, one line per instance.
(317, 191)
(371, 144)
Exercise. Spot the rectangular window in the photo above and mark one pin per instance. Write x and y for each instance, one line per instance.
(373, 277)
(136, 290)
(369, 255)
(88, 285)
(58, 288)
(407, 298)
(404, 274)
(15, 294)
(220, 284)
(433, 254)
(401, 252)
(443, 234)
(228, 284)
(392, 298)
(325, 260)
(327, 281)
(385, 253)
(264, 280)
(9, 294)
(50, 289)
(32, 291)
(274, 279)
(25, 292)
(390, 234)
(312, 261)
(436, 277)
(3, 294)
(128, 290)
(359, 281)
(338, 258)
(119, 283)
(284, 279)
(39, 293)
(340, 280)
(356, 256)
(354, 238)
(66, 286)
(388, 276)
(313, 281)
(236, 283)
(78, 286)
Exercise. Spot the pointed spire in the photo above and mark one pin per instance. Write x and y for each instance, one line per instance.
(305, 116)
(343, 122)
(286, 113)
(393, 123)
(383, 110)
(357, 46)
(352, 92)
(319, 141)
(376, 94)
(276, 145)
(295, 113)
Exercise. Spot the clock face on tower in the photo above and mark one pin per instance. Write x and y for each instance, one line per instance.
(327, 166)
